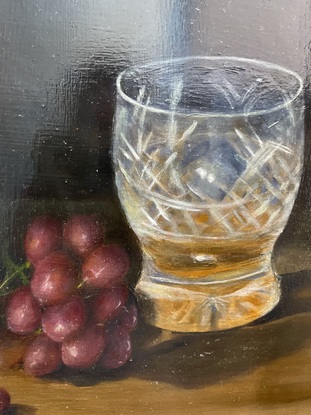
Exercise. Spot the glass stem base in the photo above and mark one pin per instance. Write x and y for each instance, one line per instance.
(201, 307)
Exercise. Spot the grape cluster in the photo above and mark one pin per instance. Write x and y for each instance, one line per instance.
(77, 301)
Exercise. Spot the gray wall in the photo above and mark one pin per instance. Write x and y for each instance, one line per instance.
(59, 60)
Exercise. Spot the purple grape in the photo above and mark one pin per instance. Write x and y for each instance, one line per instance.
(23, 313)
(106, 267)
(108, 304)
(118, 349)
(128, 318)
(83, 350)
(43, 236)
(61, 321)
(83, 234)
(5, 400)
(54, 279)
(42, 357)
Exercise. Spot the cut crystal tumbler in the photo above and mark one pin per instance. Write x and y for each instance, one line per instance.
(208, 158)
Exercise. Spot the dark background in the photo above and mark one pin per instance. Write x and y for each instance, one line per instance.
(59, 61)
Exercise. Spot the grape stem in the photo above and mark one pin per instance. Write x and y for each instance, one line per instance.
(18, 271)
(80, 285)
(15, 274)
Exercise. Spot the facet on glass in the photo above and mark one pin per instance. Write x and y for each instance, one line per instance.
(208, 159)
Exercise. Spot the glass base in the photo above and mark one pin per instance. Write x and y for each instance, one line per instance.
(191, 306)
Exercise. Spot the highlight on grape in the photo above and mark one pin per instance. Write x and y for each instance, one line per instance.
(72, 296)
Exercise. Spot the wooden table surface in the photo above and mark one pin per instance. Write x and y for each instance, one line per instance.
(262, 368)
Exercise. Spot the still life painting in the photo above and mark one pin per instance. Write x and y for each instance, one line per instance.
(155, 211)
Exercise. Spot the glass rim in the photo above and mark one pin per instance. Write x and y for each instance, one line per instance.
(258, 62)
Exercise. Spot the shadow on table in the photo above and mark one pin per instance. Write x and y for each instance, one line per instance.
(20, 410)
(195, 360)
(198, 360)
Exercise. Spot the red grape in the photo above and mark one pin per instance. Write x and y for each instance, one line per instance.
(54, 278)
(118, 349)
(83, 234)
(43, 236)
(128, 318)
(5, 399)
(61, 321)
(23, 313)
(83, 350)
(108, 304)
(42, 357)
(106, 266)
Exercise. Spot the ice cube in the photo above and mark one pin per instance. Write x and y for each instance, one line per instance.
(210, 168)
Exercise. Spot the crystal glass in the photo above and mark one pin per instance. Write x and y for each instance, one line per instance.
(208, 158)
